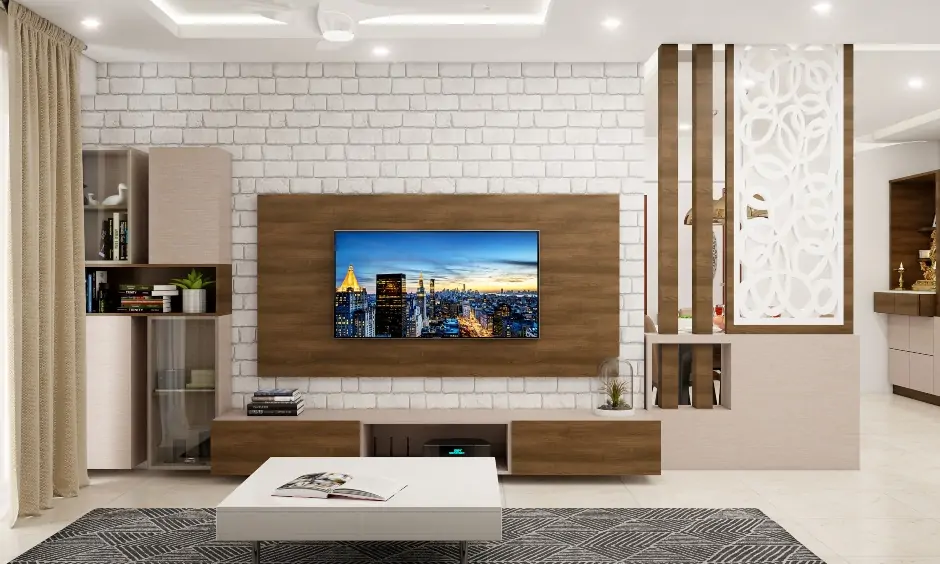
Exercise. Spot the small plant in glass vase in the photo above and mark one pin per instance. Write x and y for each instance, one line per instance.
(614, 393)
(194, 291)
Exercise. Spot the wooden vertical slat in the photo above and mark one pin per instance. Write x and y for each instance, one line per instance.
(848, 198)
(730, 273)
(702, 226)
(668, 221)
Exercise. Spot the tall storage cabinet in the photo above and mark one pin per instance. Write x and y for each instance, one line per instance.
(156, 380)
(115, 198)
(189, 357)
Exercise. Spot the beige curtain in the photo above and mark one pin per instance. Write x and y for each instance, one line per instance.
(47, 274)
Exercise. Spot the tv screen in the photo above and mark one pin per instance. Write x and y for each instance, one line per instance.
(436, 284)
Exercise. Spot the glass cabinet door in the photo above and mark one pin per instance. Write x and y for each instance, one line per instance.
(182, 366)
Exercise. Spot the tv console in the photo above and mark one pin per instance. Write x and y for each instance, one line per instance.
(524, 442)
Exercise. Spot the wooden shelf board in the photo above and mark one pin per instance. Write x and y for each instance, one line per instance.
(439, 416)
(186, 391)
(108, 264)
(102, 207)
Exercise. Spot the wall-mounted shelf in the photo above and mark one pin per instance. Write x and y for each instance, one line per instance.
(108, 264)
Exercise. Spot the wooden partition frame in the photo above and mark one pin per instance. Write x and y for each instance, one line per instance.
(579, 287)
(847, 326)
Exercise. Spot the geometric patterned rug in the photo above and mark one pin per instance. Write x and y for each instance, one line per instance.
(530, 536)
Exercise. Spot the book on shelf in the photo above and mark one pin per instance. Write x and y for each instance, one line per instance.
(286, 396)
(277, 392)
(276, 399)
(114, 238)
(337, 484)
(253, 412)
(96, 291)
(137, 298)
(271, 408)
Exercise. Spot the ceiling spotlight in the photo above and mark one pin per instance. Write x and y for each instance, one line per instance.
(748, 82)
(685, 127)
(380, 51)
(915, 83)
(611, 23)
(822, 8)
(91, 23)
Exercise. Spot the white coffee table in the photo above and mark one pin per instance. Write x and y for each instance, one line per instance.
(447, 499)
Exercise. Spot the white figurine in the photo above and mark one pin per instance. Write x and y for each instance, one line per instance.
(119, 199)
(90, 200)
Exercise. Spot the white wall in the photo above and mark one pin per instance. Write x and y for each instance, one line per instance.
(396, 128)
(87, 76)
(873, 169)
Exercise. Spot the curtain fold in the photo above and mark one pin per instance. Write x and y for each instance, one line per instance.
(47, 267)
(8, 495)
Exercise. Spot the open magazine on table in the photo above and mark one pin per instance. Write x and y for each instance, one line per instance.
(337, 484)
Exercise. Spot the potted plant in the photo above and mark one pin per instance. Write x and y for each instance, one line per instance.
(194, 291)
(614, 394)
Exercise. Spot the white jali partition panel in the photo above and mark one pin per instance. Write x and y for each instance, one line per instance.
(788, 161)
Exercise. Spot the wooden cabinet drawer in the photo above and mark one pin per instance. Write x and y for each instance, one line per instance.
(585, 448)
(922, 373)
(899, 368)
(239, 447)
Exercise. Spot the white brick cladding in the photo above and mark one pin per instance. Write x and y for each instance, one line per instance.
(396, 128)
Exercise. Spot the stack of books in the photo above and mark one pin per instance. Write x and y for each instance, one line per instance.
(278, 401)
(140, 298)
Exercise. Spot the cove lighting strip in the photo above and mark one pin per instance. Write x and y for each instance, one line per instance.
(462, 19)
(212, 19)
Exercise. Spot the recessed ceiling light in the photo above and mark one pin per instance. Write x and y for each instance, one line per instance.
(91, 23)
(822, 8)
(685, 127)
(212, 19)
(748, 82)
(338, 35)
(915, 83)
(611, 23)
(380, 51)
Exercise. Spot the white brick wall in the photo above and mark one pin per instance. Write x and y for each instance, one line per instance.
(396, 128)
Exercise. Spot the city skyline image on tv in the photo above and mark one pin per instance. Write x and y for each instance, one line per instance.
(436, 284)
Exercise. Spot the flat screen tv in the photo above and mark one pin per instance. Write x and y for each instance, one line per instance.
(436, 285)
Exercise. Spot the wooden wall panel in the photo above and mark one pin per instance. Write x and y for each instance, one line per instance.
(579, 259)
(585, 448)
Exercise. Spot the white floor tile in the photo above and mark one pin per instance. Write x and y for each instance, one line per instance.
(886, 513)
